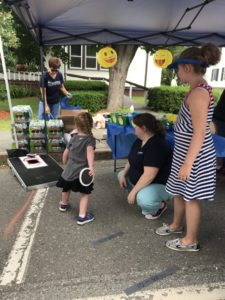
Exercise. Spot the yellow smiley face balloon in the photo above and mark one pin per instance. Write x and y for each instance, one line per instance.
(162, 58)
(107, 57)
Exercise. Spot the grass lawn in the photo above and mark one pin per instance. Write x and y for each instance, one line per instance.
(139, 99)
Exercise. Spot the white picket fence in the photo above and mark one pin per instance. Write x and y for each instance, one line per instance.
(30, 76)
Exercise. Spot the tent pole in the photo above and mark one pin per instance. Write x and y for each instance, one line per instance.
(8, 92)
(42, 84)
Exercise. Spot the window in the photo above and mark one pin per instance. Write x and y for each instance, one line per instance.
(90, 57)
(223, 74)
(83, 57)
(76, 56)
(214, 75)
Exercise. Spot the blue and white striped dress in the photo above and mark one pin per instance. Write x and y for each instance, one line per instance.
(202, 182)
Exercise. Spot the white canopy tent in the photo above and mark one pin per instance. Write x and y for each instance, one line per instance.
(155, 22)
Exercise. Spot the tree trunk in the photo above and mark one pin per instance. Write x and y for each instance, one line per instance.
(118, 75)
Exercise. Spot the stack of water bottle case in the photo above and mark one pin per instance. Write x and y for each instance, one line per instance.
(31, 135)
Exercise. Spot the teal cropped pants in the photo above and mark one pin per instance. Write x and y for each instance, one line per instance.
(150, 197)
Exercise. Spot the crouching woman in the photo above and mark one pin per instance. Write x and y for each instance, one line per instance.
(148, 167)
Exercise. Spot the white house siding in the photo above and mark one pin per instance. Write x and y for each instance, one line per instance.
(219, 69)
(136, 71)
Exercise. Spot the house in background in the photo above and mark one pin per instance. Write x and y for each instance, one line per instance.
(83, 62)
(142, 70)
(215, 75)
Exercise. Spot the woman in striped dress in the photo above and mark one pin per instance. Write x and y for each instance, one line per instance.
(193, 172)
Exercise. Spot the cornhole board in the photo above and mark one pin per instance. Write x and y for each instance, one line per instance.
(45, 174)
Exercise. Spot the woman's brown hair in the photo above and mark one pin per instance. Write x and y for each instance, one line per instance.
(54, 63)
(208, 54)
(150, 122)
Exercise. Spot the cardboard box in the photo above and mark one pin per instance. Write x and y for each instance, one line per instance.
(68, 117)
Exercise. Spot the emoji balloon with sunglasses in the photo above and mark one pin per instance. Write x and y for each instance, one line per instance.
(162, 58)
(107, 57)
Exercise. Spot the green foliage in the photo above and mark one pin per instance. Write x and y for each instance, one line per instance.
(7, 30)
(8, 33)
(169, 99)
(216, 94)
(3, 95)
(91, 95)
(18, 43)
(78, 85)
(17, 92)
(58, 51)
(93, 101)
(167, 76)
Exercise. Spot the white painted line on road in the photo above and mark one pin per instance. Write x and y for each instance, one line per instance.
(18, 259)
(211, 291)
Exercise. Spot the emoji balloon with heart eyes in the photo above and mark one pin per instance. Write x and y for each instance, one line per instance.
(162, 58)
(107, 57)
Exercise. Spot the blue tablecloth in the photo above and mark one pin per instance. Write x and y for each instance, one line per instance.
(120, 139)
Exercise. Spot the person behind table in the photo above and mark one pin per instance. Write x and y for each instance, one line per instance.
(219, 122)
(148, 167)
(193, 173)
(51, 86)
(79, 154)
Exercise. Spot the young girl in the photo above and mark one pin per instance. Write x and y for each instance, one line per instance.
(193, 172)
(79, 154)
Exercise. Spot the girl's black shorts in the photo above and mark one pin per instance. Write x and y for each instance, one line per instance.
(74, 186)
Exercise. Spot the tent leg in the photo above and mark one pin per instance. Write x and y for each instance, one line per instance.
(42, 84)
(8, 92)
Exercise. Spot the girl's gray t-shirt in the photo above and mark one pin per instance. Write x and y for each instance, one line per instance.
(78, 156)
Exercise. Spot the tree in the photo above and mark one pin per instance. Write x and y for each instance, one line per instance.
(32, 58)
(118, 75)
(8, 34)
(18, 42)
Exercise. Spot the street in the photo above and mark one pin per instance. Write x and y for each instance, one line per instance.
(44, 254)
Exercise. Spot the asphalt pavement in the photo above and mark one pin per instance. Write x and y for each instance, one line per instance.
(44, 254)
(118, 256)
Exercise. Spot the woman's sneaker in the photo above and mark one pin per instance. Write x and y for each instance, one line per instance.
(63, 207)
(158, 213)
(178, 246)
(166, 230)
(88, 218)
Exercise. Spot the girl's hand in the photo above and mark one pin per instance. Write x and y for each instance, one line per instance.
(123, 182)
(131, 197)
(185, 172)
(91, 172)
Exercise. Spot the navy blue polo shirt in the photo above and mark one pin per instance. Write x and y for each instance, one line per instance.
(52, 87)
(155, 153)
